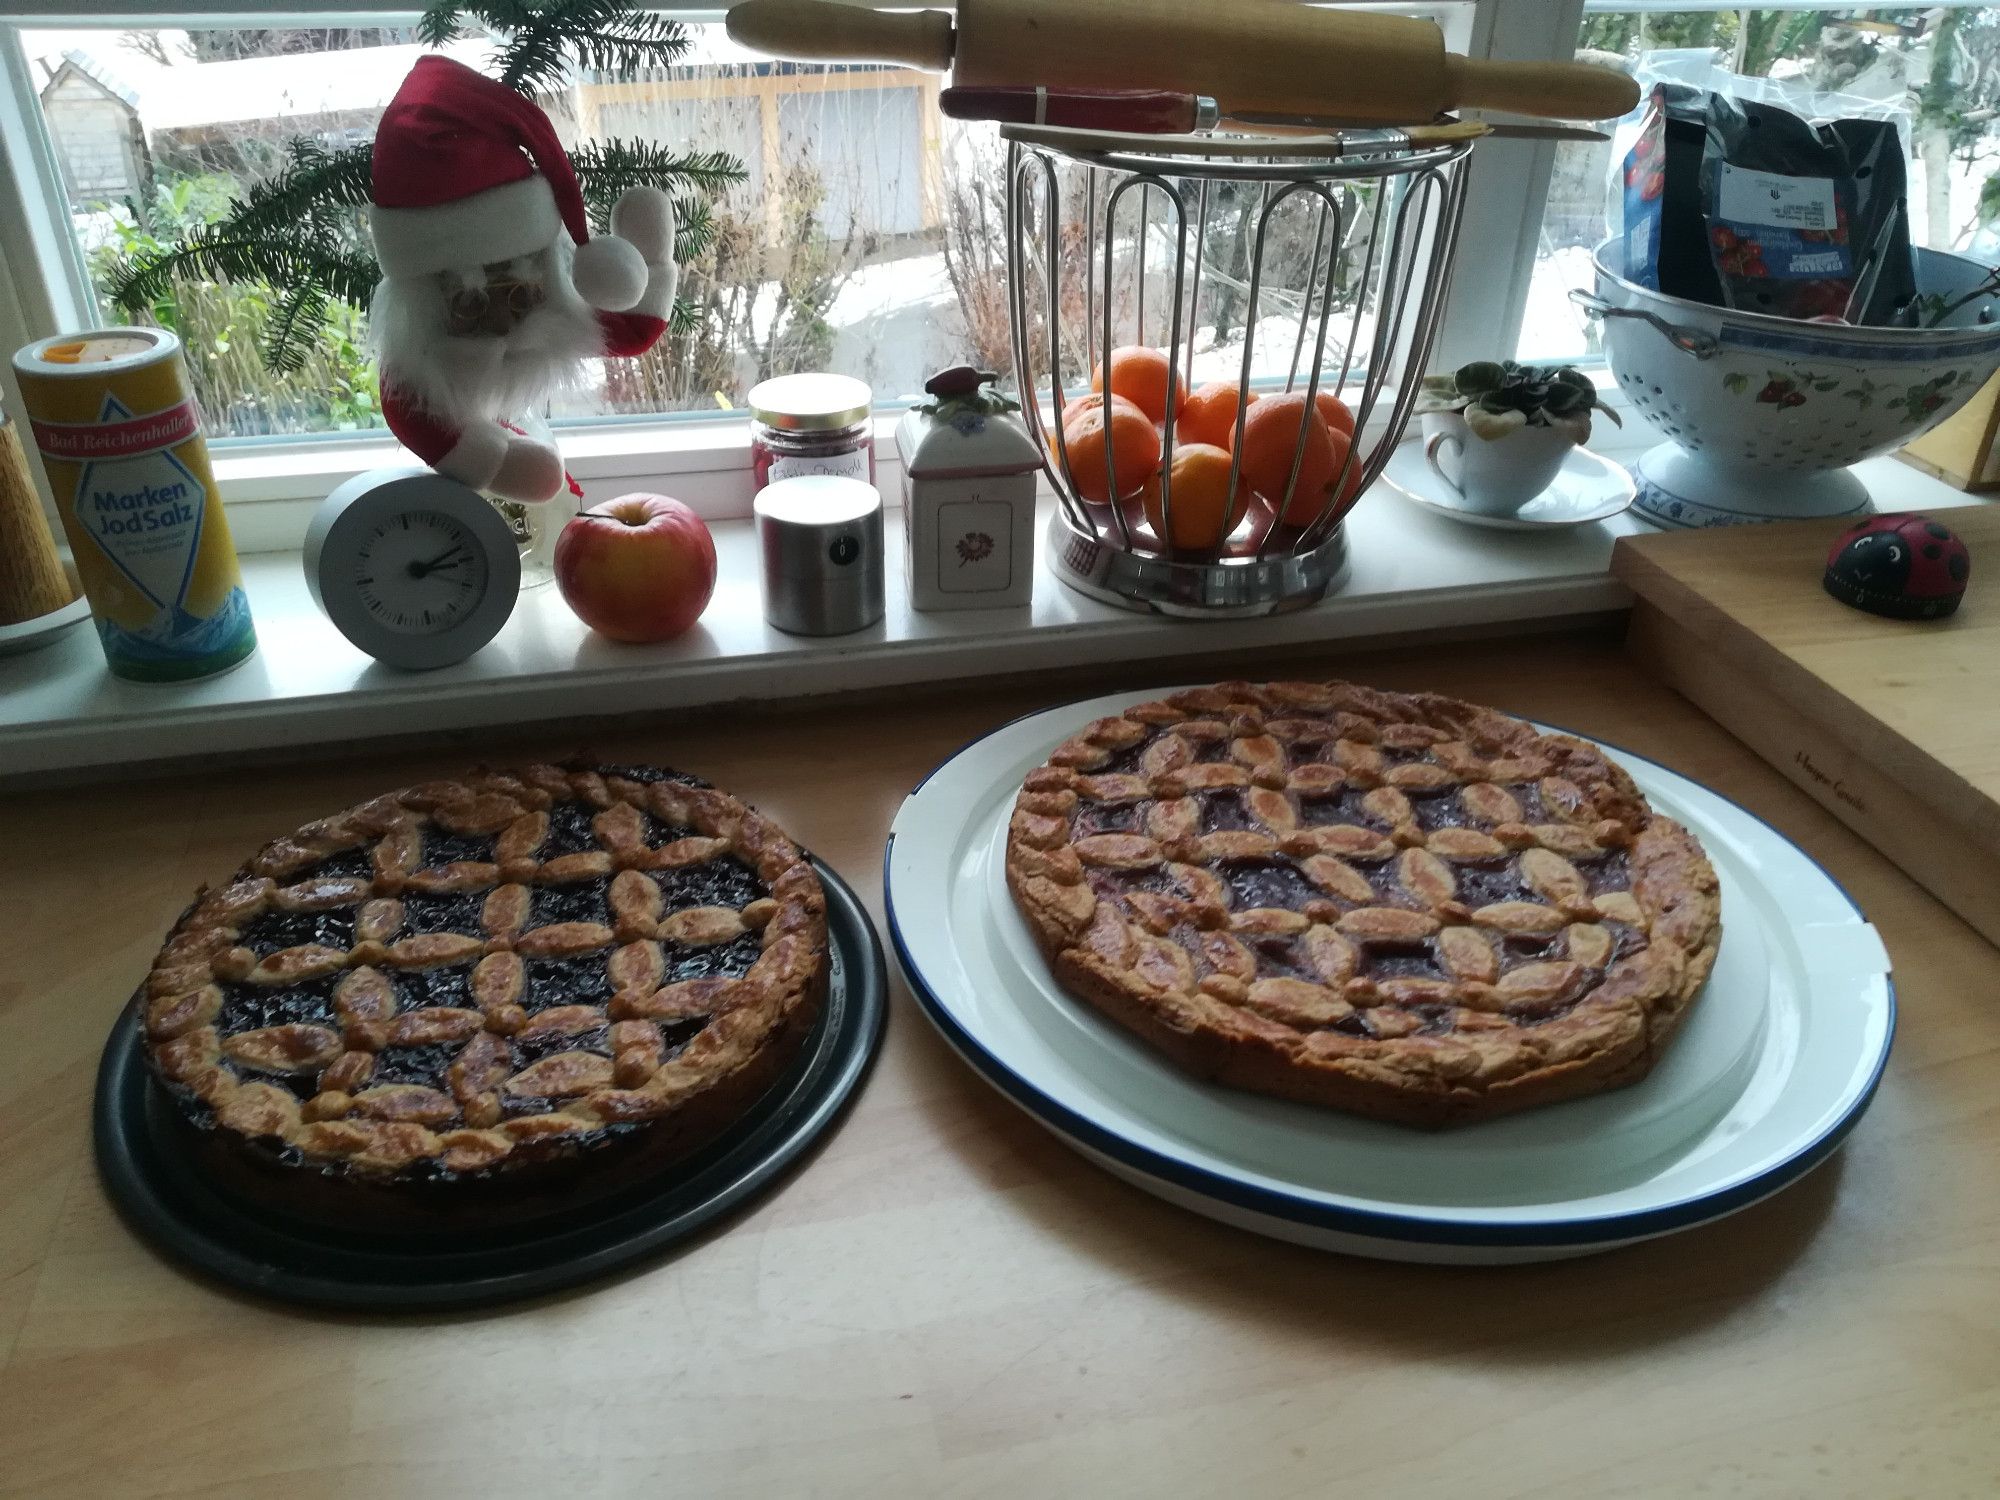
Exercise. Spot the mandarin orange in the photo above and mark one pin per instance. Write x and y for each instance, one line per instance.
(1338, 414)
(1210, 415)
(1139, 373)
(1271, 439)
(1125, 432)
(1204, 508)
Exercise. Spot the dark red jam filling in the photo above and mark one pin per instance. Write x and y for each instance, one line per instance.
(444, 848)
(1489, 882)
(348, 864)
(252, 1007)
(722, 881)
(1344, 806)
(731, 960)
(1227, 811)
(586, 901)
(1266, 883)
(566, 981)
(1401, 961)
(459, 912)
(1096, 817)
(271, 931)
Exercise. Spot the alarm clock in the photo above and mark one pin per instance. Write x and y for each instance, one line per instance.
(417, 570)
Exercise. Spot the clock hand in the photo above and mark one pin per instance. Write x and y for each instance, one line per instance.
(423, 569)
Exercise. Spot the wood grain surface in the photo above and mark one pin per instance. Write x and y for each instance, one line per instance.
(945, 1301)
(1889, 724)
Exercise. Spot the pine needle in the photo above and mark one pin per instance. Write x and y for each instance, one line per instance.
(606, 169)
(546, 39)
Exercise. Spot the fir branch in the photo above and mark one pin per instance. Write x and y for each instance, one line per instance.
(290, 333)
(605, 169)
(218, 253)
(694, 229)
(315, 181)
(546, 38)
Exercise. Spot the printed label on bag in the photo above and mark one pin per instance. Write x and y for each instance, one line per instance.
(1771, 198)
(1768, 225)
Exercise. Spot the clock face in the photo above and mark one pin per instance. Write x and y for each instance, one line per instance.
(415, 569)
(419, 572)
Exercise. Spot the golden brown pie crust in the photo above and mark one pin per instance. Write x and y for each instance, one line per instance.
(510, 970)
(1399, 905)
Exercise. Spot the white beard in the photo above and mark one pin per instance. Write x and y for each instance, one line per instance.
(462, 379)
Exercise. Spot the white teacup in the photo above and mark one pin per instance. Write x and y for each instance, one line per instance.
(1493, 475)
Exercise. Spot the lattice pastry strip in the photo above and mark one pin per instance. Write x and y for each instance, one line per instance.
(1401, 905)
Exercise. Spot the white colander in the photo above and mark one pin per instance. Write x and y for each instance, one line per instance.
(1763, 415)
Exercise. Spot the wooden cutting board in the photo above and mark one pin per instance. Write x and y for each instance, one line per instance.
(1893, 726)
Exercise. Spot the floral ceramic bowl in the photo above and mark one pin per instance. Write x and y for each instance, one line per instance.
(1763, 415)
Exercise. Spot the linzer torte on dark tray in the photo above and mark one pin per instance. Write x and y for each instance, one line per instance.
(482, 1000)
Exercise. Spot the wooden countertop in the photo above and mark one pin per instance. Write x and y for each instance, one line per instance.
(946, 1301)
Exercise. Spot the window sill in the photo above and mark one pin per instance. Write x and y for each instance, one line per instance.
(1409, 572)
(67, 718)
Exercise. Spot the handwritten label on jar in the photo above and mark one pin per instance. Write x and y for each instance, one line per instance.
(852, 465)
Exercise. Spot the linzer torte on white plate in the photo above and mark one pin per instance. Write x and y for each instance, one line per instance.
(482, 1000)
(1398, 905)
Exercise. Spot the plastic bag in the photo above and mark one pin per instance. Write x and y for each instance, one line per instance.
(1665, 239)
(1805, 221)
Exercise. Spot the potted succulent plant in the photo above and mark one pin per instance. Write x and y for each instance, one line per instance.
(1497, 433)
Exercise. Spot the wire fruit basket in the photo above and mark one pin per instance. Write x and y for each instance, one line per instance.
(1109, 245)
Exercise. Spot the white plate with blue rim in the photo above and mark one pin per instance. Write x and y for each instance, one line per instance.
(1775, 1064)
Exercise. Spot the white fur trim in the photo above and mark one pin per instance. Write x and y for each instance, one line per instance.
(609, 273)
(516, 218)
(475, 458)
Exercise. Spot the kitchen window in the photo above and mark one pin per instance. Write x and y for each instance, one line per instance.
(851, 244)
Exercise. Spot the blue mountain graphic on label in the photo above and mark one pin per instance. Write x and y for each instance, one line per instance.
(145, 513)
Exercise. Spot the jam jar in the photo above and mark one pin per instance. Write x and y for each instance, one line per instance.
(811, 424)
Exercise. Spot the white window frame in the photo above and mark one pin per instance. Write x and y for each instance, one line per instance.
(271, 483)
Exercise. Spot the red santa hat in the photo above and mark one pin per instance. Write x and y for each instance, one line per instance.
(467, 172)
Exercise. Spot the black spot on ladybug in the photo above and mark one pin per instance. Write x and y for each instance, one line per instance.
(1933, 550)
(1959, 566)
(1936, 530)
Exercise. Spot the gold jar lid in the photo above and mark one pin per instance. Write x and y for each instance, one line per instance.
(811, 402)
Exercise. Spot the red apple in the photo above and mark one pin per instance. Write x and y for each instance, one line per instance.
(638, 568)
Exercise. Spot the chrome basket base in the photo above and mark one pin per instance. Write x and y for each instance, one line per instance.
(1235, 589)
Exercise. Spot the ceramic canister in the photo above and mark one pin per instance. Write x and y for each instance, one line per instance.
(120, 437)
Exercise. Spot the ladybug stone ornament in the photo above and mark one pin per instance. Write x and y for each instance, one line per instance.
(1904, 566)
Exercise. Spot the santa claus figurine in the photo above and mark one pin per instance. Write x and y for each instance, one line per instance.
(494, 292)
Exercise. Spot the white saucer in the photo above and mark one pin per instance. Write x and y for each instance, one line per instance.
(1589, 488)
(1774, 1065)
(32, 635)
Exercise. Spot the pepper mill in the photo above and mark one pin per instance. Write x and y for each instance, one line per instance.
(821, 539)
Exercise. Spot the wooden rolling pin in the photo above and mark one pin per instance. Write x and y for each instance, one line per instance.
(1249, 54)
